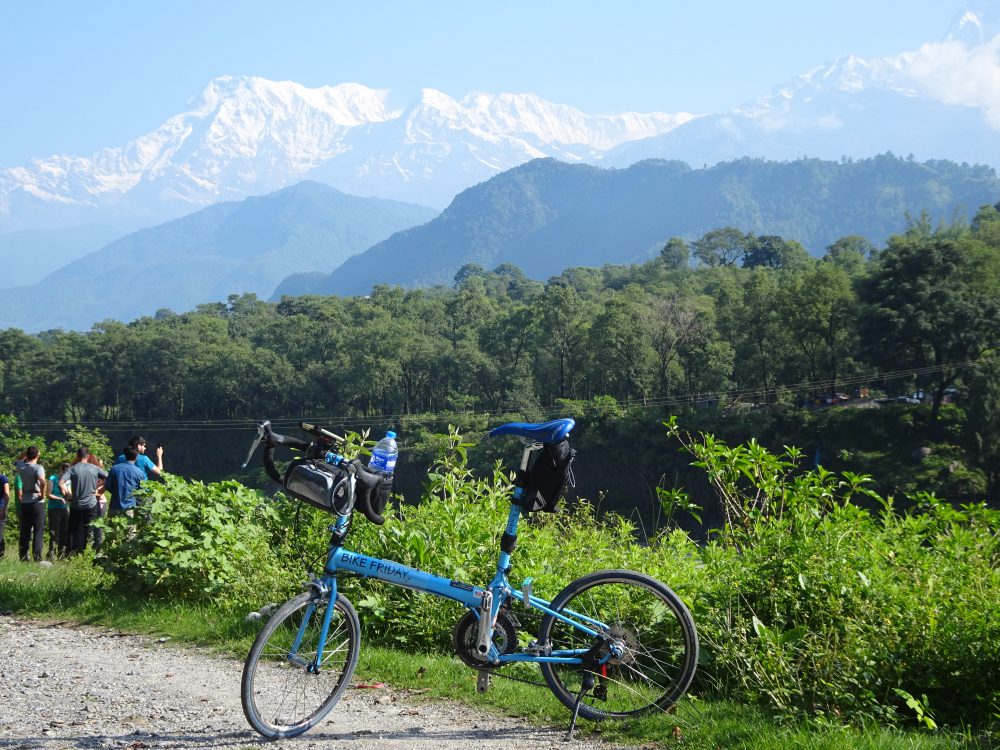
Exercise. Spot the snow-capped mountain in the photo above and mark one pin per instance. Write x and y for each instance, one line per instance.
(246, 136)
(978, 23)
(941, 101)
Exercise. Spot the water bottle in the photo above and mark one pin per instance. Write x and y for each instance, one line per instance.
(384, 455)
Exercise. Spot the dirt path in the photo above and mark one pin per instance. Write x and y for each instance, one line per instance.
(67, 687)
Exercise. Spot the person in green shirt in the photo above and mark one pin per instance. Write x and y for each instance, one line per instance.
(58, 516)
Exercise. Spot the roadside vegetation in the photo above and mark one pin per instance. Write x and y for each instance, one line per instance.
(828, 618)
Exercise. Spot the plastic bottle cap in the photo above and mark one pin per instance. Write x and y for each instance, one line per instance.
(390, 434)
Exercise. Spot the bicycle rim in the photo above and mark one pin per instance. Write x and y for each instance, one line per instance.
(647, 621)
(282, 696)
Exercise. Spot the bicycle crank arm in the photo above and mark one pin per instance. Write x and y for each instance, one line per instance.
(485, 623)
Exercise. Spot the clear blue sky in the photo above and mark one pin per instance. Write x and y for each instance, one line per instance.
(78, 76)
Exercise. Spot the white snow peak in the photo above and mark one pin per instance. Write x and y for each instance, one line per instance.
(247, 135)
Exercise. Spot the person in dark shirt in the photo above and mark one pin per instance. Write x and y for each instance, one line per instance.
(82, 481)
(123, 480)
(4, 504)
(31, 495)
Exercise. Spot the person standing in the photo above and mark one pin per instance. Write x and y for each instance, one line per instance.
(123, 480)
(30, 495)
(143, 461)
(102, 503)
(81, 482)
(4, 505)
(58, 516)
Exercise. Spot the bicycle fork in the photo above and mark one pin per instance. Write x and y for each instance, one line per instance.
(323, 593)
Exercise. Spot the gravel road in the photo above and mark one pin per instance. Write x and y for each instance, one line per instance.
(67, 687)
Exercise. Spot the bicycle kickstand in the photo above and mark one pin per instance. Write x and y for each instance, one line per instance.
(588, 683)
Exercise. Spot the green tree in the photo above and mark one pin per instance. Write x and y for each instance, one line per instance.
(561, 344)
(676, 326)
(721, 247)
(621, 363)
(467, 271)
(774, 252)
(986, 225)
(761, 342)
(675, 254)
(819, 308)
(984, 417)
(932, 301)
(851, 253)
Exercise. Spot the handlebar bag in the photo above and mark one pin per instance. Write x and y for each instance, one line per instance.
(319, 484)
(547, 476)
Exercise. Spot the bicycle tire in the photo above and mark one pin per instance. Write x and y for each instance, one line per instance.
(280, 697)
(656, 629)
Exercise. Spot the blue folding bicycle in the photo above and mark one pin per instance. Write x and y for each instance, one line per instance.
(612, 644)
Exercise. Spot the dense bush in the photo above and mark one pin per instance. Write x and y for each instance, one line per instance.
(817, 606)
(188, 539)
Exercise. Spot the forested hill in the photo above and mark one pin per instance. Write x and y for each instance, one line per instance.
(233, 247)
(546, 215)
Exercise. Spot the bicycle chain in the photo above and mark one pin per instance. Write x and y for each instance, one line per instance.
(496, 673)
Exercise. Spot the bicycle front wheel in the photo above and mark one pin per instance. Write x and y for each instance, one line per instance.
(653, 637)
(285, 691)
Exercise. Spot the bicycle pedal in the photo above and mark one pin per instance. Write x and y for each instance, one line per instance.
(482, 681)
(539, 649)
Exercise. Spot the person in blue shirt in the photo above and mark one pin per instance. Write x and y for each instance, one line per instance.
(122, 482)
(149, 469)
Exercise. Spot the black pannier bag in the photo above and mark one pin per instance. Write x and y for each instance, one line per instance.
(375, 487)
(380, 495)
(320, 484)
(547, 476)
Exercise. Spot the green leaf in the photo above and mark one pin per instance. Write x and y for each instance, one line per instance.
(794, 635)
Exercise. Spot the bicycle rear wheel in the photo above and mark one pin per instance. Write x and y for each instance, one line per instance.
(283, 692)
(649, 625)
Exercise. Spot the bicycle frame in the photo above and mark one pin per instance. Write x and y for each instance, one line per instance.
(497, 593)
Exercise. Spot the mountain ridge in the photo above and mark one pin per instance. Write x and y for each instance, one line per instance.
(545, 216)
(227, 248)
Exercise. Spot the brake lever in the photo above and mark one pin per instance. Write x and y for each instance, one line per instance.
(261, 429)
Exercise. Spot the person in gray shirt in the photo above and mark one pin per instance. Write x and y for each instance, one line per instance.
(82, 483)
(31, 495)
